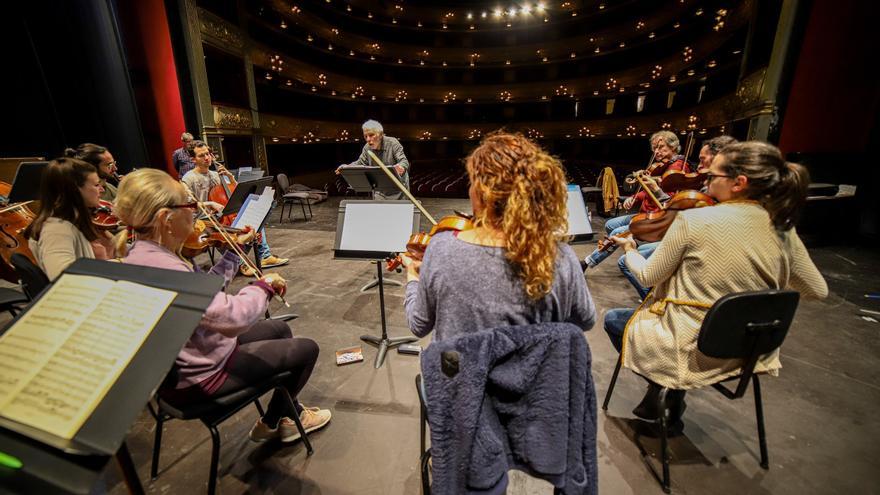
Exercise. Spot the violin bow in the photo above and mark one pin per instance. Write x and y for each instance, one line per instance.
(402, 188)
(231, 242)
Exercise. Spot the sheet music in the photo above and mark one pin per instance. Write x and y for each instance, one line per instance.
(255, 209)
(65, 353)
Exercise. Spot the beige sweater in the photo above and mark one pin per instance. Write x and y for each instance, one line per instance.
(706, 254)
(60, 244)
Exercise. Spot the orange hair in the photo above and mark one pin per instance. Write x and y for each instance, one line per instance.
(524, 195)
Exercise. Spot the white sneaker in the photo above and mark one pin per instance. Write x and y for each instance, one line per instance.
(261, 431)
(312, 418)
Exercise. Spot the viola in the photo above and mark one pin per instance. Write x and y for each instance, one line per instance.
(652, 226)
(418, 242)
(204, 237)
(676, 180)
(103, 218)
(14, 219)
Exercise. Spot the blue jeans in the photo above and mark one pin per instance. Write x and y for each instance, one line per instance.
(613, 226)
(646, 250)
(615, 323)
(262, 248)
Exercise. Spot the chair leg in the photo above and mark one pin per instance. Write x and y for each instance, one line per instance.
(611, 385)
(664, 436)
(426, 473)
(309, 204)
(157, 443)
(303, 435)
(259, 407)
(303, 206)
(215, 459)
(281, 217)
(759, 414)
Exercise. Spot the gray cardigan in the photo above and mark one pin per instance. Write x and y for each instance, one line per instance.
(465, 288)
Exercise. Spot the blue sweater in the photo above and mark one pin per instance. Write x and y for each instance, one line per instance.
(511, 398)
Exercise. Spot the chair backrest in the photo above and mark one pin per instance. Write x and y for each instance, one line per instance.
(33, 280)
(747, 325)
(283, 183)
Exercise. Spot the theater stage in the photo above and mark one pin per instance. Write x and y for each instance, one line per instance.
(820, 413)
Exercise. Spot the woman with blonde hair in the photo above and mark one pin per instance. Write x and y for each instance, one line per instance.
(233, 346)
(512, 268)
(745, 243)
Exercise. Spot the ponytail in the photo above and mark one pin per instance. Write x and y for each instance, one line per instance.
(780, 186)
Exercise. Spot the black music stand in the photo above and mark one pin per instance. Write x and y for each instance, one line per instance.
(243, 190)
(370, 179)
(52, 464)
(375, 230)
(26, 184)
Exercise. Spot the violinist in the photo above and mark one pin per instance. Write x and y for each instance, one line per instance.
(745, 243)
(712, 147)
(63, 230)
(101, 158)
(233, 347)
(510, 269)
(201, 180)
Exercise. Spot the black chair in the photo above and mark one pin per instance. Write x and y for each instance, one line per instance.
(213, 411)
(11, 300)
(745, 325)
(425, 452)
(33, 279)
(291, 198)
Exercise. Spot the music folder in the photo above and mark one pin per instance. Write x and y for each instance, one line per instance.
(73, 464)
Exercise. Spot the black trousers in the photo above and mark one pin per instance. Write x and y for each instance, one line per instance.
(266, 349)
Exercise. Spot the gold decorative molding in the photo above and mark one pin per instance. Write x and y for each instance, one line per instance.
(232, 118)
(220, 33)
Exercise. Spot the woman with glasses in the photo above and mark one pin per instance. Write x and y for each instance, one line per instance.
(746, 242)
(63, 230)
(233, 347)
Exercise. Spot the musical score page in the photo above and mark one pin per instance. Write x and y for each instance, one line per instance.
(64, 354)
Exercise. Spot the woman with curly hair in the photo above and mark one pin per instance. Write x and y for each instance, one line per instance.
(512, 268)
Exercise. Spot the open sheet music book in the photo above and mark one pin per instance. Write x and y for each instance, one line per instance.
(62, 356)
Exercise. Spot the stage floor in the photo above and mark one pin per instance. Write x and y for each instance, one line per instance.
(820, 413)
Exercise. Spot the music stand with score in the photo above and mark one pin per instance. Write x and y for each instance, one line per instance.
(375, 230)
(579, 228)
(369, 179)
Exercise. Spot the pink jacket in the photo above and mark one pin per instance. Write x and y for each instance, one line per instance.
(214, 339)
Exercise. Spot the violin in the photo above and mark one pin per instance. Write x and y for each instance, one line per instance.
(103, 217)
(652, 226)
(201, 239)
(418, 242)
(14, 219)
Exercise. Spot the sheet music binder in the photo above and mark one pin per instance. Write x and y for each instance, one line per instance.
(245, 189)
(74, 465)
(368, 179)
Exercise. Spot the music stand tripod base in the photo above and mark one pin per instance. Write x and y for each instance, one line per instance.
(386, 281)
(384, 343)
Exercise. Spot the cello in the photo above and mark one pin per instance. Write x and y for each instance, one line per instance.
(14, 219)
(223, 191)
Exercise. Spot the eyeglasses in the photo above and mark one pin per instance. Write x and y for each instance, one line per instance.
(710, 176)
(192, 206)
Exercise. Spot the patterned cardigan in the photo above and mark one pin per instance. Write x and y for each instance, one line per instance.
(706, 254)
